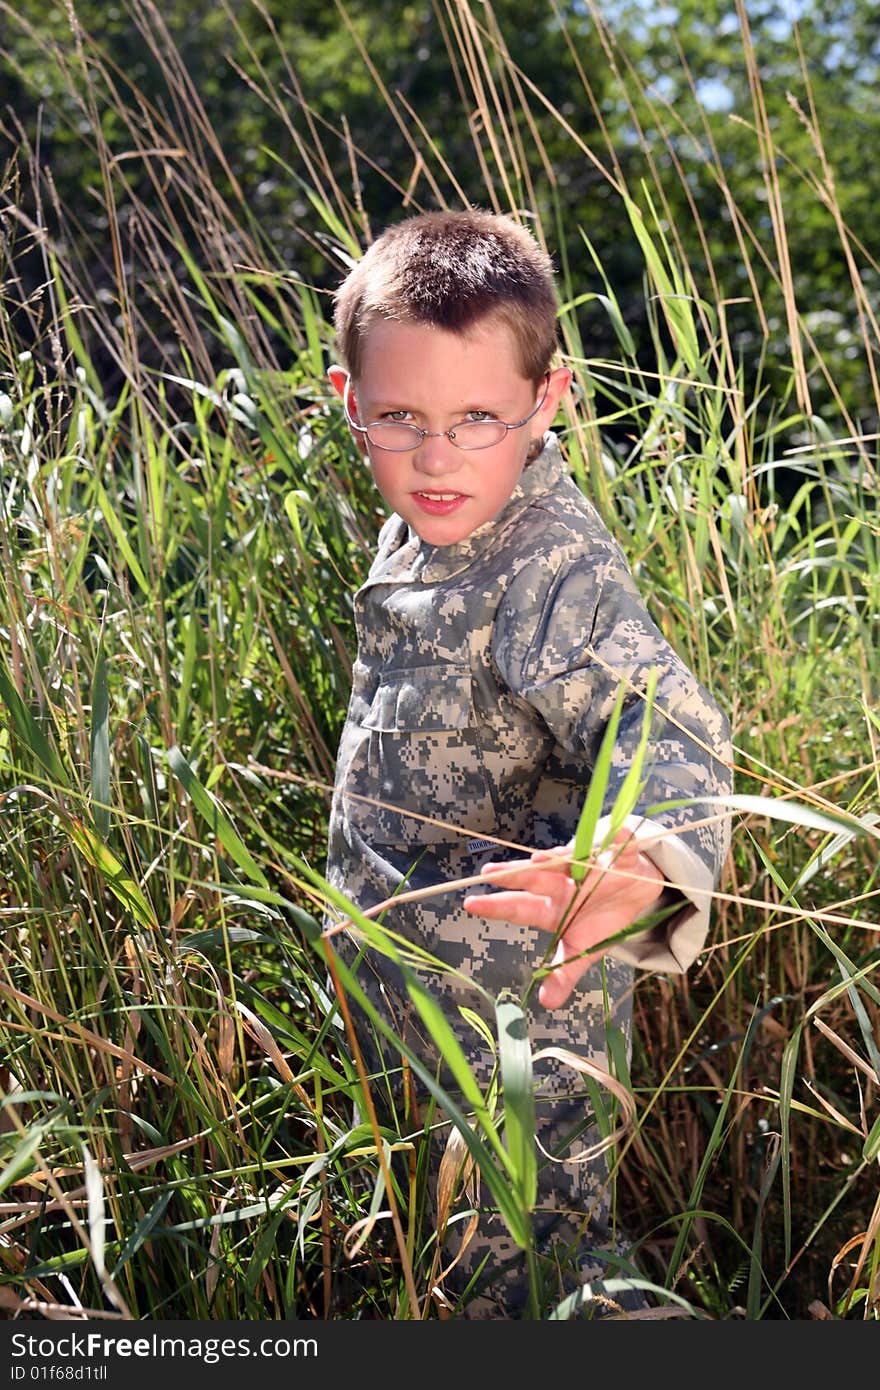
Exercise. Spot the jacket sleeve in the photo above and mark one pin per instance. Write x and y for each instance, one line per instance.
(568, 634)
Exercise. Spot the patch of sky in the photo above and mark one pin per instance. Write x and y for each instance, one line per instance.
(713, 94)
(664, 86)
(656, 16)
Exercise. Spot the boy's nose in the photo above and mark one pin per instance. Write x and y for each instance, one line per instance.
(437, 455)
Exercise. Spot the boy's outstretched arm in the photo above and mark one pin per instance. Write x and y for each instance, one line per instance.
(563, 644)
(623, 887)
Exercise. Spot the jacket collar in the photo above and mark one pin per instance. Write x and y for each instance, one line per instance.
(403, 557)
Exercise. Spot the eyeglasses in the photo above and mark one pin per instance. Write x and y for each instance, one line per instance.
(467, 434)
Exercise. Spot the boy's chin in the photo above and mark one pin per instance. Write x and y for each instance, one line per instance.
(439, 535)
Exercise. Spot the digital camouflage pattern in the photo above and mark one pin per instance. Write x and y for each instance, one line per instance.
(486, 672)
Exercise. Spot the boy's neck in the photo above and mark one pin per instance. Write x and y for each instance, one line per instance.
(535, 448)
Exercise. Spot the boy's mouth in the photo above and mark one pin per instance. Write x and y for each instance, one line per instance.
(439, 503)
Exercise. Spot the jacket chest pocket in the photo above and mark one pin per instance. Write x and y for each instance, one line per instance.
(418, 750)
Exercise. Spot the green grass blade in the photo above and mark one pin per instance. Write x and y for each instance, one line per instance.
(864, 1022)
(112, 871)
(677, 306)
(29, 731)
(796, 813)
(871, 1146)
(585, 834)
(495, 1176)
(787, 1073)
(120, 536)
(220, 824)
(713, 1144)
(100, 747)
(517, 1082)
(142, 1231)
(447, 1043)
(70, 329)
(21, 1161)
(597, 1289)
(631, 786)
(95, 1207)
(756, 1271)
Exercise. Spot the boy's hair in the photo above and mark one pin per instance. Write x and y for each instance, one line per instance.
(452, 270)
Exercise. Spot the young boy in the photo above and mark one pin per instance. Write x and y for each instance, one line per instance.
(494, 629)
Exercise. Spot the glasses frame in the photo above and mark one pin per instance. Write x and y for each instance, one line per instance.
(439, 434)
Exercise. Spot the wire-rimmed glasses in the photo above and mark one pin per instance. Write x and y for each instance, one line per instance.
(399, 438)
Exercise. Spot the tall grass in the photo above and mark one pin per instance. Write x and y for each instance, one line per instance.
(187, 1128)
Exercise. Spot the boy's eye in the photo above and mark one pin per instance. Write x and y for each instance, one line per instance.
(478, 415)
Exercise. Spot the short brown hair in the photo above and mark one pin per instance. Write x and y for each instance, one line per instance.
(452, 270)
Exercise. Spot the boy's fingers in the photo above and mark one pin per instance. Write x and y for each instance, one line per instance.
(522, 909)
(544, 911)
(557, 988)
(551, 996)
(566, 972)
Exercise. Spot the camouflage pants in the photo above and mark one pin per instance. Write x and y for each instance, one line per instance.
(575, 1241)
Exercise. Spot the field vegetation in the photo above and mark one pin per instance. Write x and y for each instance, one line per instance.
(186, 1130)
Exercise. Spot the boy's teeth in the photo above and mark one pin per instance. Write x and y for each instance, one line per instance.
(441, 496)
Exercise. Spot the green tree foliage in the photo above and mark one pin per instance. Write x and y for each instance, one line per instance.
(284, 102)
(806, 130)
(275, 80)
(544, 107)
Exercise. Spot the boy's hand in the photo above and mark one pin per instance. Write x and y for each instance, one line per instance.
(612, 896)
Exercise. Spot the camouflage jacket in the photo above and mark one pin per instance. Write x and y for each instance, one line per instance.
(486, 672)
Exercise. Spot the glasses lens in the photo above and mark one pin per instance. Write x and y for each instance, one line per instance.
(478, 434)
(397, 438)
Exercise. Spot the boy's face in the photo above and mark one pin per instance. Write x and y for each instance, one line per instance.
(426, 376)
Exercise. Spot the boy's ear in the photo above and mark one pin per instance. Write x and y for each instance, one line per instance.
(339, 380)
(560, 380)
